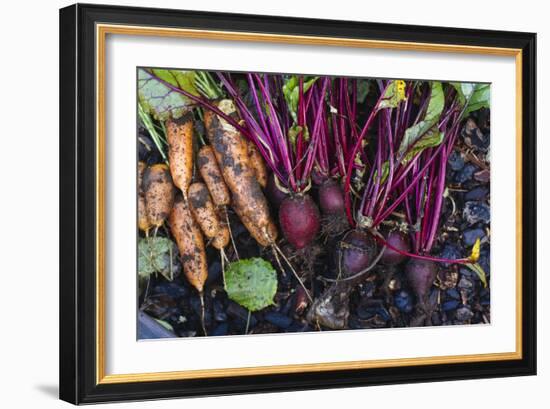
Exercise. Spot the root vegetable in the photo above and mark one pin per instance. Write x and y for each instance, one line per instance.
(143, 221)
(421, 275)
(179, 134)
(400, 241)
(159, 193)
(358, 250)
(231, 151)
(331, 198)
(203, 209)
(212, 176)
(258, 164)
(190, 243)
(274, 194)
(299, 219)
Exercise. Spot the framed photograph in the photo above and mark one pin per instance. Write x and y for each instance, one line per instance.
(257, 203)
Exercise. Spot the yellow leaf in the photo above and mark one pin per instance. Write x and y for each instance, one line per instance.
(474, 257)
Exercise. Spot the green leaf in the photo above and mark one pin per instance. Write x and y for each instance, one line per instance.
(159, 99)
(251, 283)
(476, 96)
(165, 324)
(393, 94)
(425, 133)
(476, 268)
(363, 87)
(385, 172)
(156, 255)
(291, 92)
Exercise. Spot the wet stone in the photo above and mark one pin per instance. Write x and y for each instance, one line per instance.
(277, 319)
(471, 235)
(404, 301)
(456, 161)
(465, 284)
(451, 252)
(221, 329)
(464, 314)
(465, 174)
(475, 212)
(453, 293)
(478, 193)
(219, 312)
(450, 305)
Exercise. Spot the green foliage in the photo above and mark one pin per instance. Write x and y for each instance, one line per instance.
(291, 92)
(475, 96)
(161, 101)
(363, 87)
(393, 94)
(425, 133)
(156, 255)
(251, 283)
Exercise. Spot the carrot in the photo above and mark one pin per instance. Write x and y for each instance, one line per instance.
(190, 244)
(221, 239)
(179, 134)
(258, 164)
(212, 176)
(143, 221)
(159, 193)
(231, 151)
(203, 209)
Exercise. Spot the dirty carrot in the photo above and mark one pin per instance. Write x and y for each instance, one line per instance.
(159, 193)
(179, 134)
(257, 163)
(143, 220)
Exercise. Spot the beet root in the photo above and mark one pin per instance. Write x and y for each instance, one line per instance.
(273, 193)
(421, 275)
(400, 241)
(299, 219)
(331, 198)
(357, 251)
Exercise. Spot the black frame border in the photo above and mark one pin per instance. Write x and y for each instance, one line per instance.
(78, 198)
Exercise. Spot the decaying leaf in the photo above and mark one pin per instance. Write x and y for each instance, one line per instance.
(393, 95)
(156, 255)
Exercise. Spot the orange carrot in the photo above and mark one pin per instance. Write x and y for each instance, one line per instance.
(179, 134)
(159, 193)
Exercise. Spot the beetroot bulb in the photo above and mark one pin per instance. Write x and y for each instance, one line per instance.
(299, 219)
(421, 275)
(400, 241)
(273, 193)
(331, 197)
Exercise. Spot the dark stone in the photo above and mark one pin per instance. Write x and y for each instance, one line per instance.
(403, 301)
(456, 161)
(219, 312)
(239, 313)
(465, 174)
(471, 235)
(452, 252)
(453, 293)
(464, 314)
(465, 284)
(450, 305)
(214, 271)
(221, 329)
(277, 319)
(475, 212)
(478, 193)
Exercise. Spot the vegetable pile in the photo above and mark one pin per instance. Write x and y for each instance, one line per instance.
(271, 203)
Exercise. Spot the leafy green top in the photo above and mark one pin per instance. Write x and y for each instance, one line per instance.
(159, 99)
(251, 283)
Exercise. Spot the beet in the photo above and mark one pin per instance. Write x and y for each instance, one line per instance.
(273, 193)
(421, 275)
(358, 249)
(400, 241)
(299, 219)
(331, 197)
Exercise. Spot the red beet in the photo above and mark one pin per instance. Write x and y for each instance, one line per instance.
(400, 241)
(358, 251)
(273, 193)
(299, 219)
(421, 275)
(331, 197)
